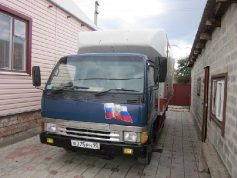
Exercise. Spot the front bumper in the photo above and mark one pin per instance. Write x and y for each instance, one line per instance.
(106, 148)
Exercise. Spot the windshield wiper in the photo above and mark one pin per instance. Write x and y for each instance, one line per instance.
(115, 89)
(109, 78)
(60, 90)
(80, 87)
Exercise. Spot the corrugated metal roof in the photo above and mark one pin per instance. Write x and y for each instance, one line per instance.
(70, 7)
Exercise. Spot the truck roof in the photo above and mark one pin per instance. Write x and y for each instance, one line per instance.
(150, 42)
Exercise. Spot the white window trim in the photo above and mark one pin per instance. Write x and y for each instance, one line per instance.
(220, 99)
(13, 73)
(213, 109)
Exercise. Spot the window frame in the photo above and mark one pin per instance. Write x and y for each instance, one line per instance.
(28, 41)
(219, 78)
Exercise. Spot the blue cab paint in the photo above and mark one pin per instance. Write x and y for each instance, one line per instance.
(108, 98)
(90, 112)
(64, 103)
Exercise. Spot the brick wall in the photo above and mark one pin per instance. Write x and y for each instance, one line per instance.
(12, 127)
(220, 54)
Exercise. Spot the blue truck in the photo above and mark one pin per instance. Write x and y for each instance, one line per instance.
(111, 97)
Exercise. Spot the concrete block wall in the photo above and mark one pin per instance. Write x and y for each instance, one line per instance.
(220, 54)
(196, 101)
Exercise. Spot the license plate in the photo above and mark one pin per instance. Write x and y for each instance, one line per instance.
(82, 144)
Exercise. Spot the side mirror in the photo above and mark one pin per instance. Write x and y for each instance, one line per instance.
(156, 70)
(36, 76)
(162, 69)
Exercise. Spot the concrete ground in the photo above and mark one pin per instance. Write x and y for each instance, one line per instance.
(175, 156)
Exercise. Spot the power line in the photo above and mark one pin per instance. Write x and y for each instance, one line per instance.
(112, 1)
(147, 1)
(133, 10)
(86, 2)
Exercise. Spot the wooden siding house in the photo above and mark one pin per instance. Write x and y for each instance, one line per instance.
(32, 32)
(213, 60)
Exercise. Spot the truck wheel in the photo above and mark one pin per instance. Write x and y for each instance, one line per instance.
(155, 131)
(147, 159)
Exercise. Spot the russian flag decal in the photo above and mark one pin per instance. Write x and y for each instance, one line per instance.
(125, 115)
(109, 113)
(118, 112)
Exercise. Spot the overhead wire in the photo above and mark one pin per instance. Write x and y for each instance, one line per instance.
(131, 6)
(163, 9)
(124, 9)
(119, 1)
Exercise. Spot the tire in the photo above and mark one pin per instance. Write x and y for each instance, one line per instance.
(155, 131)
(147, 159)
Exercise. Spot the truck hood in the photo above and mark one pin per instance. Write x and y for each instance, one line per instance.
(109, 113)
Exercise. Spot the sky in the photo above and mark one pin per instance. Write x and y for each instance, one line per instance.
(179, 18)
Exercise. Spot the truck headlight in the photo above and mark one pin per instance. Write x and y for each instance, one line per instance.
(50, 127)
(130, 136)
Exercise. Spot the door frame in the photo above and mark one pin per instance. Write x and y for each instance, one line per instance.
(205, 104)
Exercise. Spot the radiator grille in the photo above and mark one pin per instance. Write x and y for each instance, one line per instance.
(89, 134)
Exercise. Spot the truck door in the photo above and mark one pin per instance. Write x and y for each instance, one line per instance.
(151, 93)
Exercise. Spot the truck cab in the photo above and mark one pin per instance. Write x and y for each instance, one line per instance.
(106, 103)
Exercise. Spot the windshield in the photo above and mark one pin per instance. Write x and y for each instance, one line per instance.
(98, 73)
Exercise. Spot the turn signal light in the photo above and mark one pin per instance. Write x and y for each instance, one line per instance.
(144, 137)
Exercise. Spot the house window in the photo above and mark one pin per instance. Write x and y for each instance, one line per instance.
(15, 41)
(218, 99)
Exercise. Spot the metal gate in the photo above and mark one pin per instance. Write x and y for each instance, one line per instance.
(182, 93)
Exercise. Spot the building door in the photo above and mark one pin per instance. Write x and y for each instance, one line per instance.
(205, 104)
